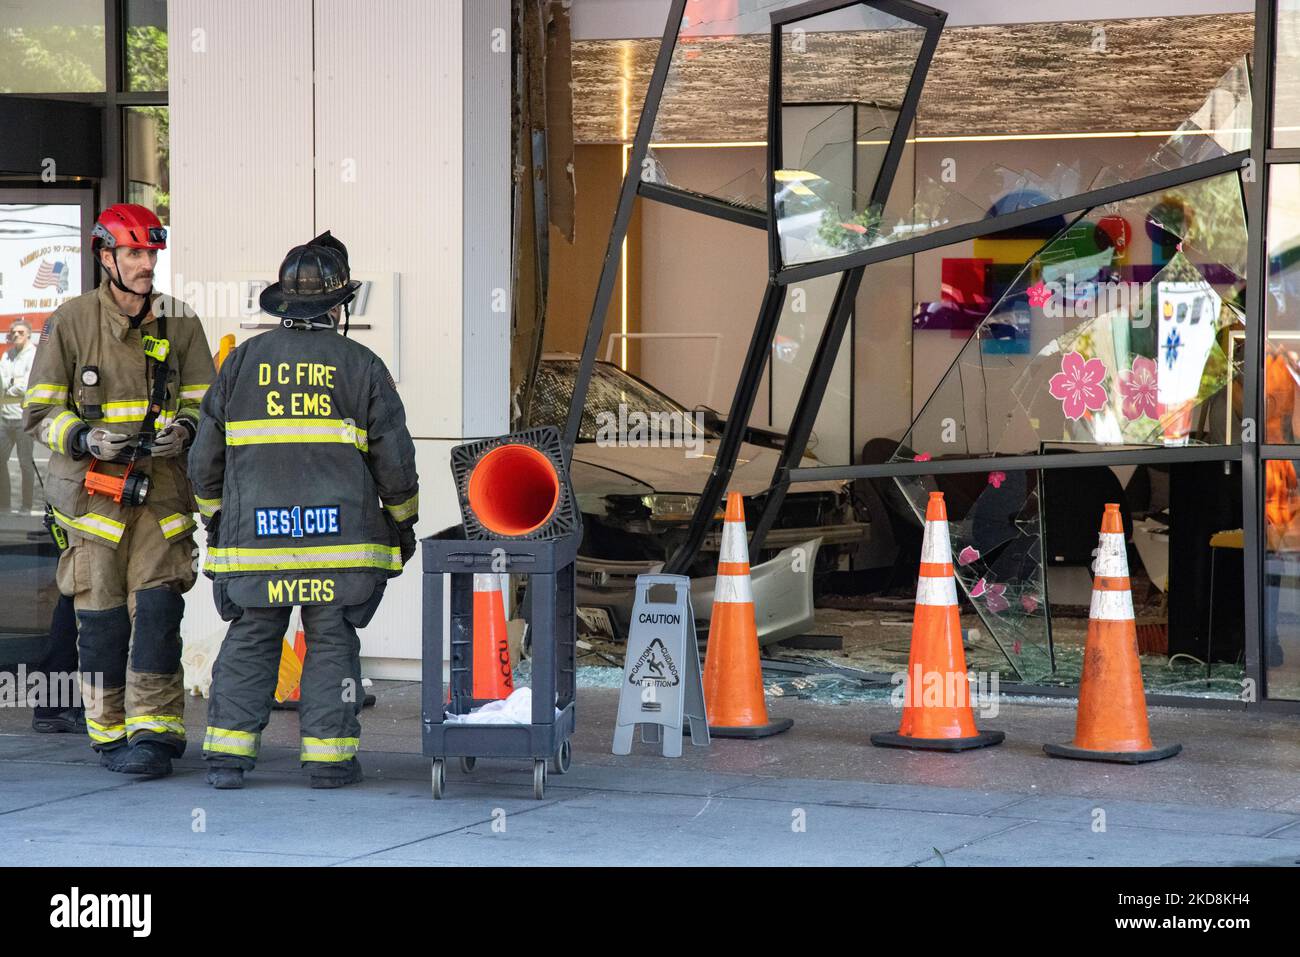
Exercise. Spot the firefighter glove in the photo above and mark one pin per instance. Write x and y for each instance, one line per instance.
(106, 445)
(170, 442)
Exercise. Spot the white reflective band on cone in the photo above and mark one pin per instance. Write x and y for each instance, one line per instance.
(734, 546)
(935, 546)
(483, 582)
(940, 592)
(1112, 557)
(733, 589)
(1112, 605)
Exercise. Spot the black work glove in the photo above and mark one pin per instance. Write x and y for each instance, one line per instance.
(406, 541)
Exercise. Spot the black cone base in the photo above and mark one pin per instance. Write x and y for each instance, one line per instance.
(892, 739)
(1114, 757)
(756, 731)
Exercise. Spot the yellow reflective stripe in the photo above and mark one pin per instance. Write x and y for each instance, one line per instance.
(46, 393)
(161, 723)
(287, 431)
(405, 510)
(329, 749)
(294, 559)
(124, 411)
(104, 733)
(58, 429)
(223, 741)
(176, 525)
(208, 506)
(193, 393)
(101, 526)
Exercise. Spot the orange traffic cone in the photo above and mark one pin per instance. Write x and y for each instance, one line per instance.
(1112, 721)
(493, 677)
(937, 713)
(733, 677)
(289, 684)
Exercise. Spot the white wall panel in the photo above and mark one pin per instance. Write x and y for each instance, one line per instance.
(264, 157)
(241, 145)
(389, 176)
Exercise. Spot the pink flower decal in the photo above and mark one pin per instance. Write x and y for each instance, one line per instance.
(1138, 387)
(1078, 385)
(994, 595)
(997, 478)
(968, 555)
(1029, 603)
(1039, 295)
(923, 457)
(996, 599)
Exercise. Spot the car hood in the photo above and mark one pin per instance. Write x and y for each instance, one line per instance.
(672, 471)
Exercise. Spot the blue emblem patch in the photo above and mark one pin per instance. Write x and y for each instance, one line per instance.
(297, 521)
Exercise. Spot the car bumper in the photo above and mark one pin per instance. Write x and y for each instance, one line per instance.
(782, 586)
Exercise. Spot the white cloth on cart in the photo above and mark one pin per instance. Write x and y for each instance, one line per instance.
(516, 709)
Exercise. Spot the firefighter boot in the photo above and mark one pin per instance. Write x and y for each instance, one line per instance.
(225, 778)
(337, 775)
(147, 758)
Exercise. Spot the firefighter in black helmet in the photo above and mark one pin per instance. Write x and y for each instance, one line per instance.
(304, 473)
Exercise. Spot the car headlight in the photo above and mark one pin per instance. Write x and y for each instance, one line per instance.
(671, 508)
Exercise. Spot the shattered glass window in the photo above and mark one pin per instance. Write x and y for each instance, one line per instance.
(1125, 329)
(804, 315)
(1282, 308)
(1286, 76)
(952, 189)
(844, 76)
(720, 69)
(995, 522)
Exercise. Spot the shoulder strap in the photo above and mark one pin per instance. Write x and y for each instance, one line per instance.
(158, 395)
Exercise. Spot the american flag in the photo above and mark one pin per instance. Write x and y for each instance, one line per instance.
(52, 275)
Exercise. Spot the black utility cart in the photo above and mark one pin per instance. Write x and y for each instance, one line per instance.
(551, 611)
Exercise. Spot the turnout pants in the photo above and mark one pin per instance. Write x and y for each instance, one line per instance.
(247, 669)
(129, 604)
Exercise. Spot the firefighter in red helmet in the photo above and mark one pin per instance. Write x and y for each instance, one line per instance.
(115, 394)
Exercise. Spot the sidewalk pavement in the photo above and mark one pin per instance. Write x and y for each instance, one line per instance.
(818, 794)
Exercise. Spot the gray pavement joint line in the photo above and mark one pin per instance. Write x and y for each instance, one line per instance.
(69, 797)
(1006, 807)
(1280, 828)
(429, 837)
(971, 843)
(860, 807)
(331, 858)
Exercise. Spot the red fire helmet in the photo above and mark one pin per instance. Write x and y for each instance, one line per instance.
(128, 225)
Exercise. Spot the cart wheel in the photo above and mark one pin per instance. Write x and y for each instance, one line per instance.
(467, 764)
(539, 779)
(439, 779)
(564, 758)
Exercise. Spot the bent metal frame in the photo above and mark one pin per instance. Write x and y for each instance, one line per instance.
(850, 269)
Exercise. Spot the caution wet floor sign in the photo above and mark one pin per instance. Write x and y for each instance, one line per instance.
(661, 685)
